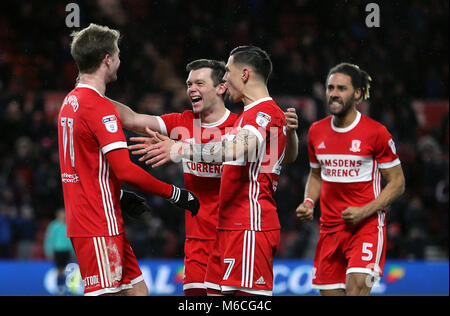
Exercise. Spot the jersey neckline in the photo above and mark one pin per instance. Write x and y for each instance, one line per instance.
(219, 122)
(348, 128)
(249, 106)
(83, 85)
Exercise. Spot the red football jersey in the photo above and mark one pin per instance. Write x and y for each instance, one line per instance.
(201, 178)
(89, 127)
(248, 187)
(350, 159)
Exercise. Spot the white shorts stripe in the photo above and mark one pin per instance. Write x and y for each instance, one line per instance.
(248, 259)
(99, 264)
(102, 261)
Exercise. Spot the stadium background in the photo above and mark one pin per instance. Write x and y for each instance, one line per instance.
(407, 57)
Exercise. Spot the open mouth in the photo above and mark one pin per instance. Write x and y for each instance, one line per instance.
(196, 99)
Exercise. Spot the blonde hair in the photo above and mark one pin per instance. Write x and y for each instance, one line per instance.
(90, 45)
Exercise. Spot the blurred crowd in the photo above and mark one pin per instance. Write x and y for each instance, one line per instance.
(407, 57)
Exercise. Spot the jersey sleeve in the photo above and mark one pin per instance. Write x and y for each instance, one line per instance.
(385, 150)
(263, 122)
(174, 124)
(106, 126)
(313, 162)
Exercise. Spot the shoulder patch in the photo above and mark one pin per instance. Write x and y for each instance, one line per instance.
(110, 122)
(392, 145)
(262, 119)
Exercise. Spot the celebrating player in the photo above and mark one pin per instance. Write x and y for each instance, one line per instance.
(252, 154)
(348, 154)
(207, 122)
(94, 161)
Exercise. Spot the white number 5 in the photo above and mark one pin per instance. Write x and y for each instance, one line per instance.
(367, 252)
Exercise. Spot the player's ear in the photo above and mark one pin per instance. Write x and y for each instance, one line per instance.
(358, 94)
(221, 89)
(107, 59)
(245, 74)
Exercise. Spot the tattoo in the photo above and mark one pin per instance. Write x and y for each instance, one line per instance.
(243, 147)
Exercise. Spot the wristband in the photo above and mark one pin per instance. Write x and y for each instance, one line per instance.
(310, 201)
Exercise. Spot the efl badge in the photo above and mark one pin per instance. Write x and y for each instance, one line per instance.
(356, 146)
(262, 119)
(392, 145)
(110, 122)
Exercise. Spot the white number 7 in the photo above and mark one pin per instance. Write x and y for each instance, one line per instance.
(229, 268)
(368, 253)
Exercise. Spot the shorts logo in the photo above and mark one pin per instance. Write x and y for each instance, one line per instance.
(356, 146)
(262, 119)
(110, 122)
(260, 281)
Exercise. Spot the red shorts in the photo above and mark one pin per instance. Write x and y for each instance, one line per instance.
(359, 250)
(196, 255)
(107, 264)
(242, 260)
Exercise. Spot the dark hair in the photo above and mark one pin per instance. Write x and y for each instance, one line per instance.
(254, 57)
(218, 68)
(90, 45)
(359, 78)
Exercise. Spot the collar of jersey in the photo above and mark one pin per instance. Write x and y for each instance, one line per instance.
(219, 122)
(348, 128)
(83, 85)
(249, 106)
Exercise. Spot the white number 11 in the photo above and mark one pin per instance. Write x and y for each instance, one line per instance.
(67, 121)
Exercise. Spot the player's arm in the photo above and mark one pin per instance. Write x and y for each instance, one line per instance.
(395, 186)
(134, 121)
(126, 171)
(305, 211)
(243, 147)
(291, 135)
(162, 149)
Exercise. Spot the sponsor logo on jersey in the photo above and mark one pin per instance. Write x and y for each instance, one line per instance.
(321, 146)
(70, 178)
(346, 168)
(262, 119)
(110, 122)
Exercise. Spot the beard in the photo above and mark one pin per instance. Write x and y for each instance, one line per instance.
(346, 106)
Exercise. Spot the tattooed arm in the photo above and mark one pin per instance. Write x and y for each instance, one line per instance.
(243, 147)
(160, 149)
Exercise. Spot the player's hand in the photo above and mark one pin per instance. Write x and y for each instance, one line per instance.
(305, 212)
(143, 142)
(353, 215)
(156, 149)
(133, 204)
(162, 151)
(291, 120)
(185, 199)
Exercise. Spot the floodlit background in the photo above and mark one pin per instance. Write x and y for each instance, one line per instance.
(407, 57)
